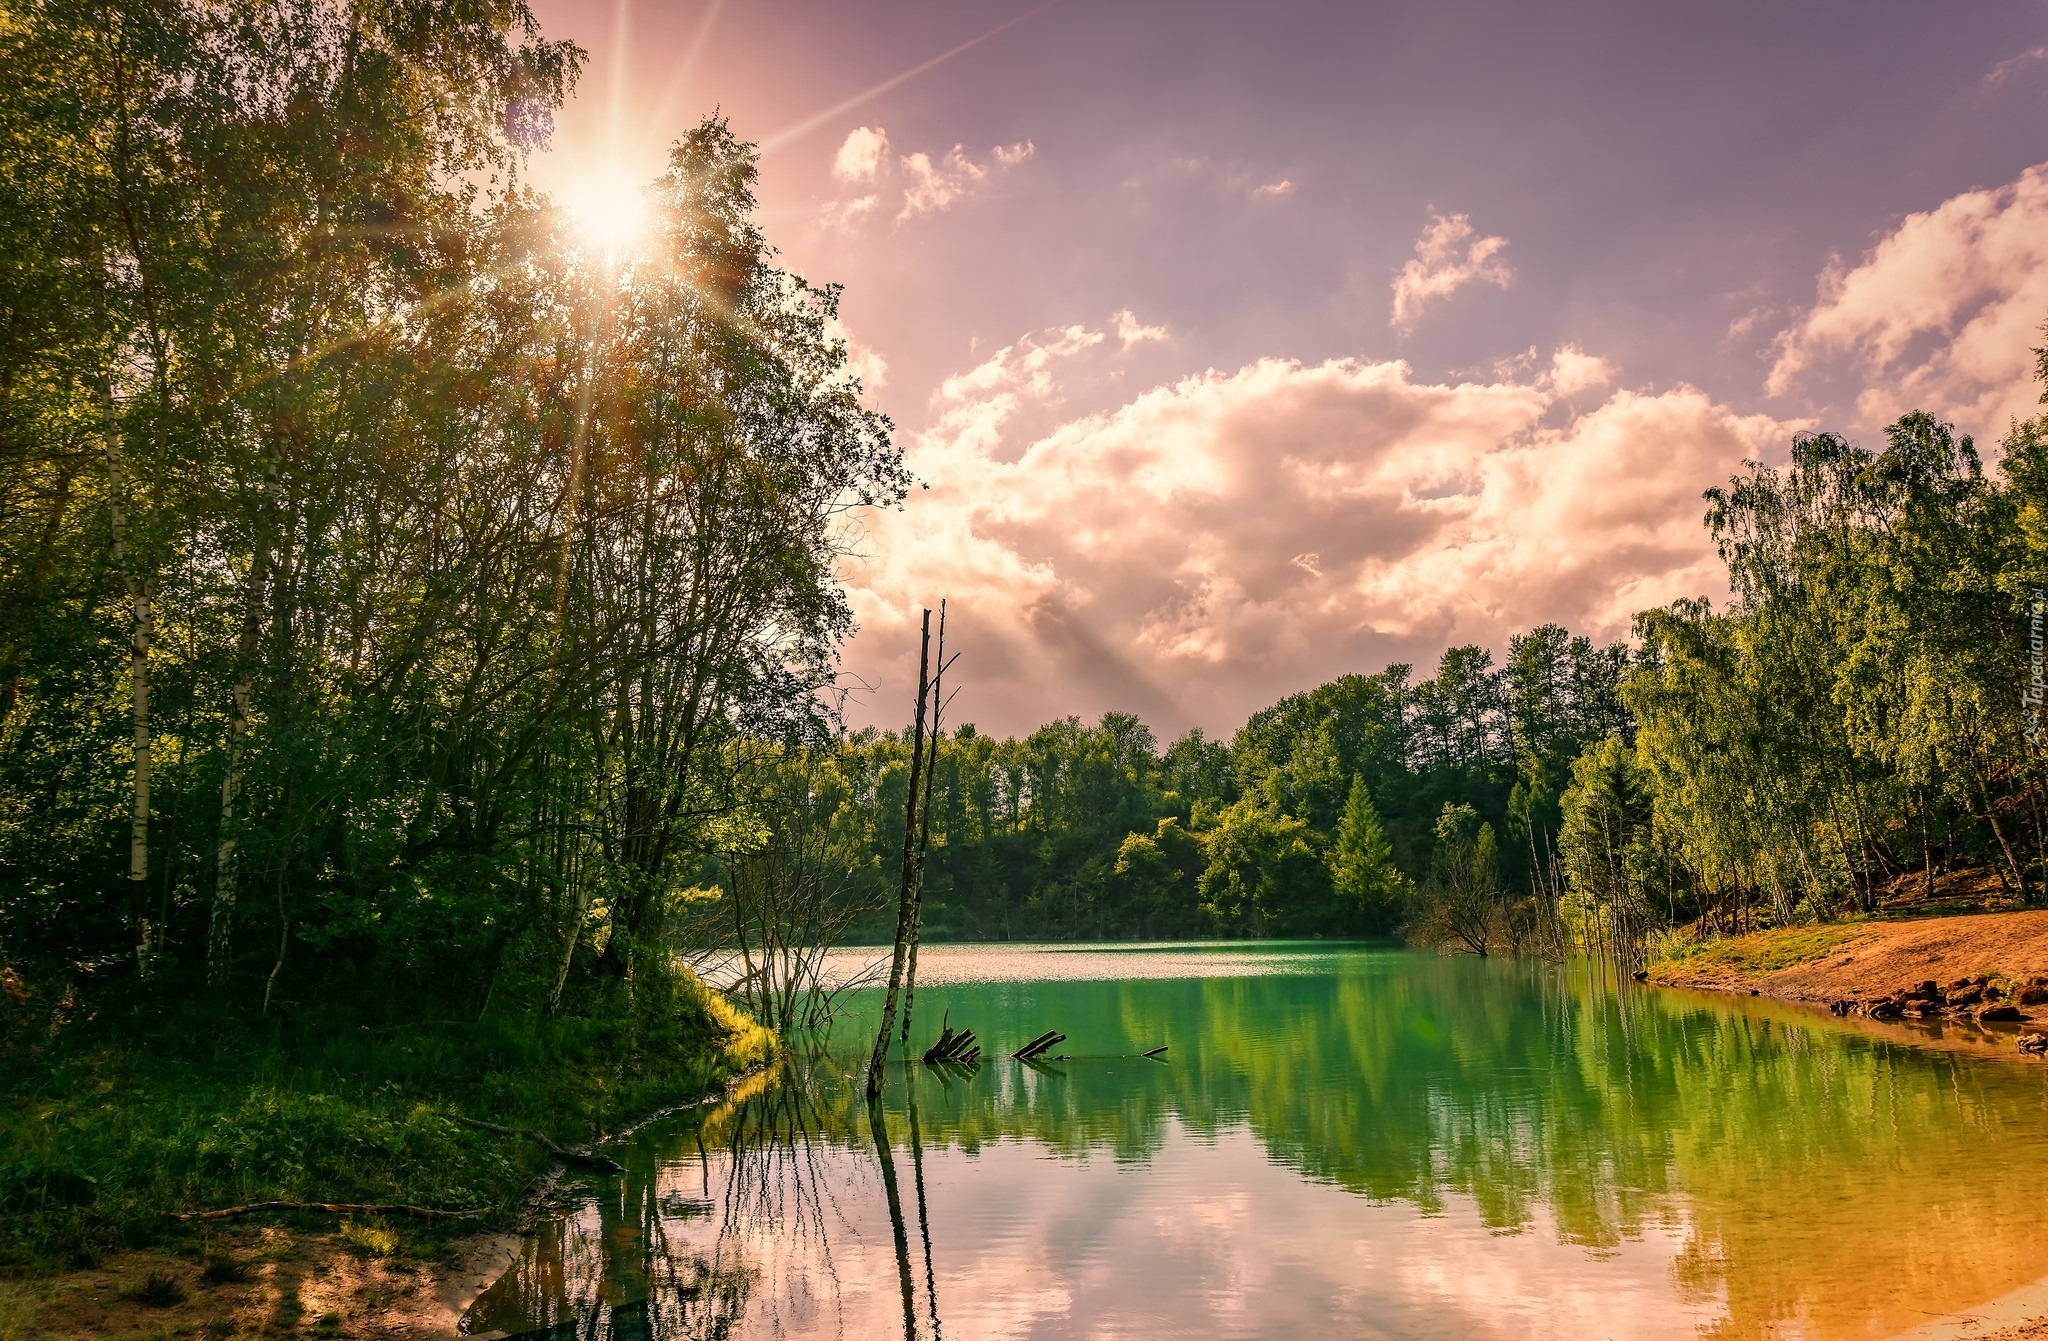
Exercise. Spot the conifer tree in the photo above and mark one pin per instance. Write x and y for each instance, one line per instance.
(1362, 863)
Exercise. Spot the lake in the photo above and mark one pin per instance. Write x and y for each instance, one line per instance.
(1340, 1141)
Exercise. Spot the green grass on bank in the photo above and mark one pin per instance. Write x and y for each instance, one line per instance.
(151, 1109)
(1754, 954)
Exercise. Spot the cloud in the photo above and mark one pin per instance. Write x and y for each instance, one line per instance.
(1941, 315)
(934, 188)
(1448, 256)
(927, 185)
(1221, 539)
(863, 154)
(1273, 190)
(2014, 66)
(1131, 331)
(863, 362)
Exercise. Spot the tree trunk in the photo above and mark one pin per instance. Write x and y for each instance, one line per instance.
(924, 824)
(137, 591)
(906, 907)
(227, 859)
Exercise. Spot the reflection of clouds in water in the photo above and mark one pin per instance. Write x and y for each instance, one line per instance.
(1396, 1146)
(1211, 1240)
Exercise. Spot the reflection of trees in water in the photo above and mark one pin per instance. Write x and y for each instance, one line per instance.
(729, 1221)
(1536, 1096)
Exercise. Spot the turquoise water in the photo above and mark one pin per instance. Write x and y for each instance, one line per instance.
(1352, 1142)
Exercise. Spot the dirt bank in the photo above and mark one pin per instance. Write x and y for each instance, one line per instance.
(1987, 969)
(267, 1281)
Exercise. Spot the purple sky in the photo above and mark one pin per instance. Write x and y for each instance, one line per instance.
(1246, 344)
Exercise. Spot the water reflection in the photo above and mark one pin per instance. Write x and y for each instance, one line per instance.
(1371, 1143)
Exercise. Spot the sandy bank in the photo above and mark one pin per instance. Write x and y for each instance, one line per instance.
(1988, 971)
(293, 1283)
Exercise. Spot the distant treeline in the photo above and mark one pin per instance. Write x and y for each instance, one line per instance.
(1858, 723)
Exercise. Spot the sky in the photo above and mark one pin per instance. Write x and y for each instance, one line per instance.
(1237, 346)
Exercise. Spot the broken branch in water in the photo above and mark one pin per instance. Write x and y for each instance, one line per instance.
(580, 1158)
(1155, 1052)
(331, 1208)
(959, 1049)
(1039, 1046)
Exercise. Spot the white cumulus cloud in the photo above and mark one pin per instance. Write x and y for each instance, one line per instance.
(862, 155)
(1224, 538)
(1449, 255)
(918, 182)
(1940, 315)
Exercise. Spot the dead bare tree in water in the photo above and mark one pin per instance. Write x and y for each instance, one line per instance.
(924, 824)
(916, 829)
(878, 1128)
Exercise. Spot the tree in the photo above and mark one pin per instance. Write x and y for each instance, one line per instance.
(1461, 901)
(1362, 869)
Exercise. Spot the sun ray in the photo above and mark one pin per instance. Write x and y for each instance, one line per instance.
(672, 91)
(838, 109)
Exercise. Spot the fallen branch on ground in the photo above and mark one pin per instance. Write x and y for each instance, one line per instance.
(581, 1158)
(331, 1208)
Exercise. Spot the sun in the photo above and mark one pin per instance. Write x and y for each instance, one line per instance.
(610, 216)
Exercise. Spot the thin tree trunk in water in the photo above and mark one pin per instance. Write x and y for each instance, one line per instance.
(924, 824)
(924, 1224)
(137, 591)
(906, 908)
(227, 859)
(895, 1200)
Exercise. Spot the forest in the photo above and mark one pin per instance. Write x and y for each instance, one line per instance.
(391, 578)
(396, 587)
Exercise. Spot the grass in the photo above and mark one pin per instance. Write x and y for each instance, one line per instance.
(1759, 952)
(370, 1240)
(155, 1108)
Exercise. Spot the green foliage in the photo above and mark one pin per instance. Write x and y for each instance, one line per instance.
(394, 587)
(1081, 831)
(146, 1110)
(1362, 869)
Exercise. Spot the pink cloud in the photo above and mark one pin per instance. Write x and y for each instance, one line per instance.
(1941, 315)
(923, 184)
(1448, 256)
(1219, 540)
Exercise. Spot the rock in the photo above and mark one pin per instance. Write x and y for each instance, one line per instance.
(1842, 1007)
(2031, 995)
(1754, 992)
(1928, 988)
(1884, 1010)
(1641, 975)
(2000, 1013)
(2036, 1043)
(1920, 1010)
(1969, 996)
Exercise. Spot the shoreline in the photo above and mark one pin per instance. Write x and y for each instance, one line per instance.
(1976, 982)
(1921, 982)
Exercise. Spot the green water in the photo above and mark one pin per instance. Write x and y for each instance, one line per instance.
(1347, 1142)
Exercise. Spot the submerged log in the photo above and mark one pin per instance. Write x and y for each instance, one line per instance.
(1155, 1052)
